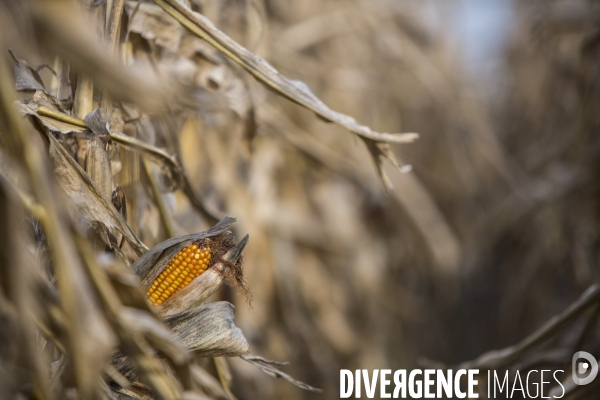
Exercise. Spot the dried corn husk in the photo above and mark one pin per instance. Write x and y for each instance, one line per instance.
(224, 260)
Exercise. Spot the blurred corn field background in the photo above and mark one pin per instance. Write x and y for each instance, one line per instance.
(129, 129)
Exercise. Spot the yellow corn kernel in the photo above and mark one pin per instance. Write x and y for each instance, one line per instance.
(181, 270)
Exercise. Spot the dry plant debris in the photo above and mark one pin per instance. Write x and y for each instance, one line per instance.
(104, 337)
(144, 122)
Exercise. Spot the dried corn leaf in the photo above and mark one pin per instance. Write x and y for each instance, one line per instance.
(44, 108)
(268, 368)
(294, 90)
(85, 332)
(209, 331)
(62, 30)
(43, 99)
(206, 331)
(97, 121)
(53, 124)
(91, 202)
(27, 79)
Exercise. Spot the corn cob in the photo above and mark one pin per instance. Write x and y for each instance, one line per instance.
(189, 263)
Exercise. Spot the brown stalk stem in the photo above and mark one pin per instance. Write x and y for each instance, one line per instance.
(55, 80)
(83, 103)
(115, 14)
(46, 112)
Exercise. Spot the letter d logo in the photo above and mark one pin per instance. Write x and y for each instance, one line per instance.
(581, 367)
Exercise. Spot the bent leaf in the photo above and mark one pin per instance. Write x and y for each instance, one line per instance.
(209, 331)
(90, 201)
(27, 79)
(293, 90)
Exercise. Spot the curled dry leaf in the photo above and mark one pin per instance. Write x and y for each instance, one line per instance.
(43, 99)
(208, 330)
(205, 331)
(91, 202)
(27, 79)
(97, 121)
